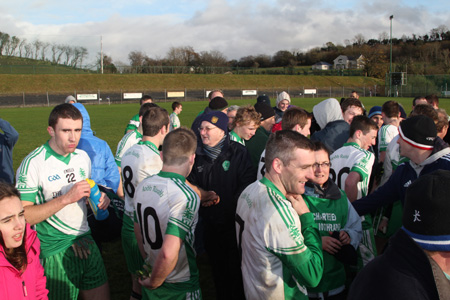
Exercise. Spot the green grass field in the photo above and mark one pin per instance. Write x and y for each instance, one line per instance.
(109, 123)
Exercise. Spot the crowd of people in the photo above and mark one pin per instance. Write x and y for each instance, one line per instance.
(337, 203)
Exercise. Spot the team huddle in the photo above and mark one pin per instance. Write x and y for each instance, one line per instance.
(286, 204)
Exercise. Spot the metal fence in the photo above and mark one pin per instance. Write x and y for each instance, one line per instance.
(161, 95)
(421, 85)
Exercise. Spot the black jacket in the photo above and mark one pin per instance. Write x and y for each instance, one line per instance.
(228, 176)
(404, 271)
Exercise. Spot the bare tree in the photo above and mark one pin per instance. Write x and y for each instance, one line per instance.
(21, 46)
(4, 41)
(182, 56)
(37, 46)
(28, 50)
(383, 37)
(44, 48)
(84, 53)
(213, 58)
(61, 49)
(68, 52)
(359, 39)
(137, 59)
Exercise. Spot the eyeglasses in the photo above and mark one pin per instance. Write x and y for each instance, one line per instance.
(325, 164)
(207, 129)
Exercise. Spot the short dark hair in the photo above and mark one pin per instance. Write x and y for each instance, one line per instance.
(64, 111)
(427, 110)
(418, 98)
(153, 120)
(391, 109)
(433, 99)
(363, 123)
(293, 116)
(282, 144)
(213, 91)
(175, 105)
(145, 107)
(318, 146)
(351, 102)
(178, 146)
(145, 98)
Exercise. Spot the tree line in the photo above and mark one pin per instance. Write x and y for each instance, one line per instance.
(13, 46)
(416, 54)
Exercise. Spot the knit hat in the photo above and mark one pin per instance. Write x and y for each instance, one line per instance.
(376, 110)
(70, 98)
(217, 118)
(426, 211)
(283, 96)
(218, 103)
(265, 110)
(263, 99)
(418, 131)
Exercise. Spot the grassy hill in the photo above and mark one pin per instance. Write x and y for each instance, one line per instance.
(113, 82)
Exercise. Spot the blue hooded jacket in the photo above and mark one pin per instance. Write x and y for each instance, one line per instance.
(104, 169)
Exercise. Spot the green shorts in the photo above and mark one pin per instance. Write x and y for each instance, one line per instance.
(67, 274)
(130, 247)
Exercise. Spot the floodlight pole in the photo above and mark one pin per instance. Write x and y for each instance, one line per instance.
(390, 63)
(101, 53)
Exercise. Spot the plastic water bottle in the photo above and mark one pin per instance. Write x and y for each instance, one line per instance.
(94, 199)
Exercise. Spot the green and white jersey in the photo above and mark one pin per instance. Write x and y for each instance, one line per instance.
(261, 166)
(139, 162)
(281, 252)
(385, 136)
(236, 138)
(133, 124)
(392, 160)
(44, 175)
(174, 121)
(352, 158)
(128, 140)
(165, 204)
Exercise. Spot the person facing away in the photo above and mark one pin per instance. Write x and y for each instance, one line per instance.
(167, 213)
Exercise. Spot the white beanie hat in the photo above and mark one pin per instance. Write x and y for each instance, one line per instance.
(283, 96)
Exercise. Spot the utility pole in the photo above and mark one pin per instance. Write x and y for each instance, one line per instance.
(390, 63)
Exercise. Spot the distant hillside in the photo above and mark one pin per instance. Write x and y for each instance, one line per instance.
(116, 82)
(21, 65)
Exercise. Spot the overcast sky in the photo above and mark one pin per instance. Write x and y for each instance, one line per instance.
(237, 28)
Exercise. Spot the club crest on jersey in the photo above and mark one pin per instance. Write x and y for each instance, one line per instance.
(294, 232)
(82, 173)
(22, 181)
(226, 165)
(188, 215)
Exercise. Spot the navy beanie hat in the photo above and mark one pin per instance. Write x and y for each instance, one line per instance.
(217, 118)
(426, 211)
